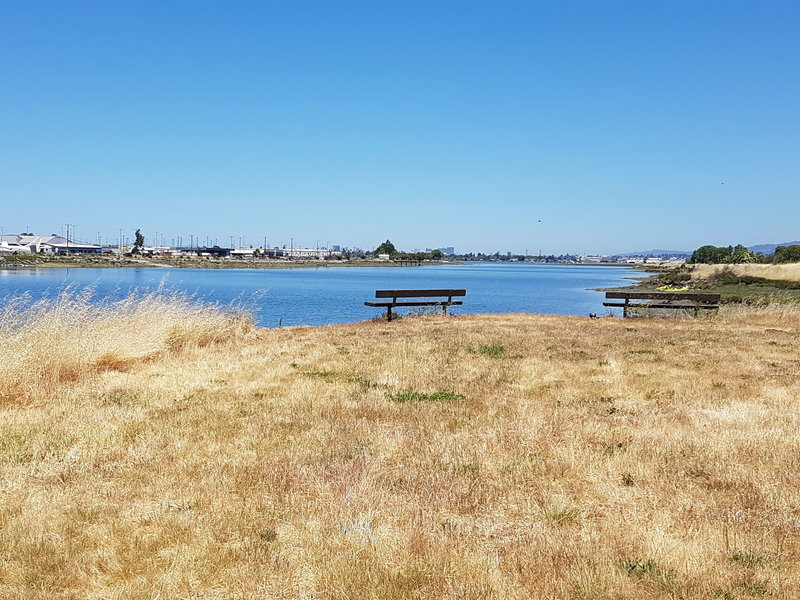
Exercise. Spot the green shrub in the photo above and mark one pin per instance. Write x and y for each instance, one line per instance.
(493, 350)
(440, 396)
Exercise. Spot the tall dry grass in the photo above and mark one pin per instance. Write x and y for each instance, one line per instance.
(785, 272)
(493, 456)
(69, 337)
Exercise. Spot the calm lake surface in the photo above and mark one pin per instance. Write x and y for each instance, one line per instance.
(337, 294)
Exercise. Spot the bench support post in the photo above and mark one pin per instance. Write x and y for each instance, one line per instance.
(388, 313)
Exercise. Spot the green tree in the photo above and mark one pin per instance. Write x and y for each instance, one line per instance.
(712, 255)
(437, 254)
(386, 247)
(743, 255)
(139, 243)
(715, 255)
(787, 254)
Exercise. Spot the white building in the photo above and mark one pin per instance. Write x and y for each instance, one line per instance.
(593, 259)
(25, 243)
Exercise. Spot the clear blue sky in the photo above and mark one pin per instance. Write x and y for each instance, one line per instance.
(490, 126)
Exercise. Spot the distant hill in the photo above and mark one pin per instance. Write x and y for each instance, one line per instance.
(768, 249)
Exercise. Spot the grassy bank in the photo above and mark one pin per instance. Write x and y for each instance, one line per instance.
(746, 283)
(165, 449)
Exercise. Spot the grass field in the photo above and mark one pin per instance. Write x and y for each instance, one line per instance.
(161, 449)
(785, 272)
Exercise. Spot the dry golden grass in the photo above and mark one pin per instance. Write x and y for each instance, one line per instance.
(501, 456)
(786, 272)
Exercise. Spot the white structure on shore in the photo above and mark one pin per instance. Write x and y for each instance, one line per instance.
(27, 243)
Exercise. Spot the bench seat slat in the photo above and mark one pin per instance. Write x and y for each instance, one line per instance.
(664, 296)
(649, 305)
(418, 293)
(416, 303)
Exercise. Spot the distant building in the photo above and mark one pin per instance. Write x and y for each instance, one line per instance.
(13, 248)
(218, 251)
(310, 252)
(448, 250)
(28, 243)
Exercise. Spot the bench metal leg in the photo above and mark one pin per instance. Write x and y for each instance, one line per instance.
(388, 313)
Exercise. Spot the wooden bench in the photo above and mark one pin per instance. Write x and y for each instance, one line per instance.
(395, 303)
(668, 300)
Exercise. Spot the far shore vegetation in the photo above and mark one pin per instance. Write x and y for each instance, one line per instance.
(157, 447)
(737, 274)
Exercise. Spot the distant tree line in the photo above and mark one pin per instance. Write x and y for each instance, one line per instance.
(716, 255)
(388, 247)
(786, 254)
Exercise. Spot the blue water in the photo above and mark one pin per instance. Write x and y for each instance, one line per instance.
(337, 294)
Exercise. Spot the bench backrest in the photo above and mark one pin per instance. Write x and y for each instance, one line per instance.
(702, 298)
(418, 293)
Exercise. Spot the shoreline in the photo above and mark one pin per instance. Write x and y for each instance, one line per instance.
(38, 262)
(236, 264)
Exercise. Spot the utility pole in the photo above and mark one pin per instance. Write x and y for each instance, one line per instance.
(291, 251)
